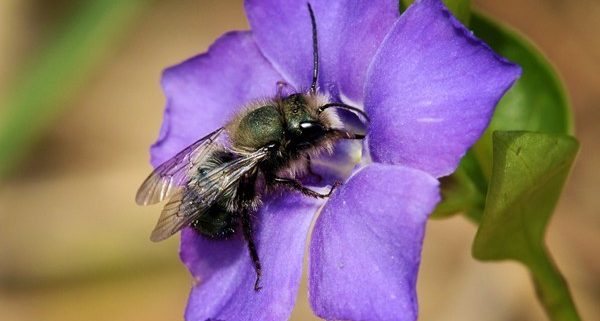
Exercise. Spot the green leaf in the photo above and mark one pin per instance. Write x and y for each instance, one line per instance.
(529, 172)
(463, 191)
(460, 8)
(537, 102)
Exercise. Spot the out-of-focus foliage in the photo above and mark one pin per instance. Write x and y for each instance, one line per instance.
(58, 72)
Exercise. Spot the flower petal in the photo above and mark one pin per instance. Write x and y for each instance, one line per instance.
(204, 91)
(431, 90)
(225, 272)
(349, 33)
(366, 245)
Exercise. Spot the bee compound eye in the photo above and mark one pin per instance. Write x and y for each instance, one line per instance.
(311, 129)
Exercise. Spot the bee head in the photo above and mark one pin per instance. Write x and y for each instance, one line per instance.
(303, 124)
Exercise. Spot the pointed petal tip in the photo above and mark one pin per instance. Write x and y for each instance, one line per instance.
(432, 89)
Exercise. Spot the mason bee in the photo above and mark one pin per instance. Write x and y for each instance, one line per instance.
(216, 183)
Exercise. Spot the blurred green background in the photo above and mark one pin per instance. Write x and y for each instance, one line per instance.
(74, 246)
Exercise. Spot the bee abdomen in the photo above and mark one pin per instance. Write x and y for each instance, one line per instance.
(216, 223)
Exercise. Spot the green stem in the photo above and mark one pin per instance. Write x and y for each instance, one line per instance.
(60, 70)
(552, 289)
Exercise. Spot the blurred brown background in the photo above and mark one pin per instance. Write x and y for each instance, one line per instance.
(74, 246)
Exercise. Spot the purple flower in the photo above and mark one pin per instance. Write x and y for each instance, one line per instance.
(429, 87)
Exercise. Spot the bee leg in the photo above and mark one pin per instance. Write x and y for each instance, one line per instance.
(337, 133)
(343, 134)
(247, 230)
(310, 171)
(296, 185)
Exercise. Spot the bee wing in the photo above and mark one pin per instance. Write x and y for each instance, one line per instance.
(189, 203)
(175, 172)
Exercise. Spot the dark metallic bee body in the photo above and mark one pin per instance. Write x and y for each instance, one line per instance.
(218, 221)
(215, 184)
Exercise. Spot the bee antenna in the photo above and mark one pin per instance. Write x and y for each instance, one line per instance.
(315, 76)
(344, 106)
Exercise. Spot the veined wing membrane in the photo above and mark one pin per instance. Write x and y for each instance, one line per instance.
(192, 201)
(175, 173)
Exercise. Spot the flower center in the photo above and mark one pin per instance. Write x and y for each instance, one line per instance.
(348, 154)
(337, 167)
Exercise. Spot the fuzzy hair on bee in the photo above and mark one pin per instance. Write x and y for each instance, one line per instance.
(216, 184)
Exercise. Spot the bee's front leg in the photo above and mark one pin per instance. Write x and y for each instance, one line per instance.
(310, 170)
(296, 185)
(344, 134)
